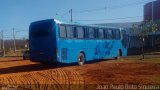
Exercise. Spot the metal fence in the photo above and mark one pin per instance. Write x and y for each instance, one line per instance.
(13, 42)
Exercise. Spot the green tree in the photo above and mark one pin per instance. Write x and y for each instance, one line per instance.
(143, 30)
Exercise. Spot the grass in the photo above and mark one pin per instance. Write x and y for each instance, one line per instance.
(152, 60)
(156, 79)
(138, 58)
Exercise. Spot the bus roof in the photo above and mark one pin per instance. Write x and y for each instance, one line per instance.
(79, 24)
(89, 25)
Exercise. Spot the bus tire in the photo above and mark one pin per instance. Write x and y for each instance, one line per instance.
(81, 59)
(118, 55)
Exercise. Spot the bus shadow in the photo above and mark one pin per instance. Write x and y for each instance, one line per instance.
(99, 60)
(11, 60)
(39, 67)
(32, 67)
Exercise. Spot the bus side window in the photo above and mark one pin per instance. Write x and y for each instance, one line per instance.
(86, 32)
(75, 31)
(105, 33)
(116, 34)
(100, 33)
(80, 32)
(62, 31)
(70, 32)
(91, 33)
(125, 38)
(108, 34)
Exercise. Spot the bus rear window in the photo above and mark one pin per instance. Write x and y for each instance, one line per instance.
(41, 29)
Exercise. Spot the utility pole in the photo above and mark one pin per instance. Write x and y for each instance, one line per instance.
(3, 45)
(152, 21)
(14, 41)
(71, 14)
(152, 11)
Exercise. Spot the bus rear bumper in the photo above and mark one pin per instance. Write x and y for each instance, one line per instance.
(43, 60)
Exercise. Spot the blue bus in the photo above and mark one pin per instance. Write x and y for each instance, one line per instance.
(53, 41)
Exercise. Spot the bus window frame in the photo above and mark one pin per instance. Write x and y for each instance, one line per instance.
(86, 32)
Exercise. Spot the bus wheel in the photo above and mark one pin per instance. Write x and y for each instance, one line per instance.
(118, 55)
(81, 59)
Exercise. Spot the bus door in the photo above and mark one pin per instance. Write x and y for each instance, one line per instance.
(125, 42)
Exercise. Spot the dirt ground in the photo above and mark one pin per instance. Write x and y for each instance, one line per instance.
(26, 75)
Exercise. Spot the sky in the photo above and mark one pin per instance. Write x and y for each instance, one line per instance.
(18, 14)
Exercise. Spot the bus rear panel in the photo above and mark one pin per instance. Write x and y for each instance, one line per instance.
(42, 41)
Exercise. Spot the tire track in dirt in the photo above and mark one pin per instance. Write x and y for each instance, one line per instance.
(75, 79)
(53, 79)
(49, 79)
